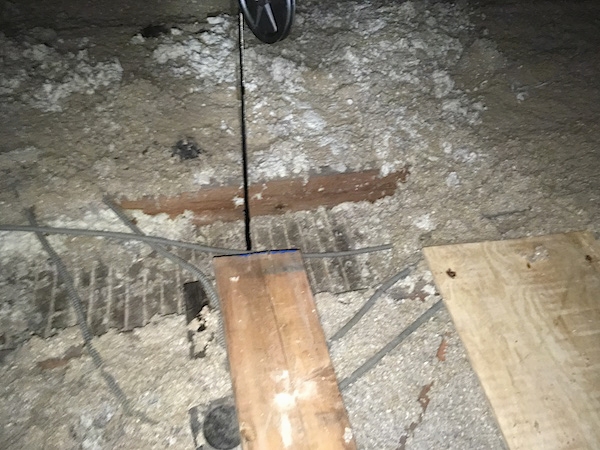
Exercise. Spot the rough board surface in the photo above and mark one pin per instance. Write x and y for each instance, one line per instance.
(286, 390)
(274, 197)
(528, 312)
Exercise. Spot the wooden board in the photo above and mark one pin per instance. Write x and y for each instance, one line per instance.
(528, 312)
(274, 197)
(285, 387)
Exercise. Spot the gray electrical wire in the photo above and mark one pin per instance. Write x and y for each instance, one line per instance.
(338, 254)
(70, 286)
(369, 303)
(210, 291)
(174, 243)
(81, 319)
(122, 237)
(155, 243)
(374, 360)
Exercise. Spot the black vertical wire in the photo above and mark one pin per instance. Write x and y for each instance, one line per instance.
(243, 130)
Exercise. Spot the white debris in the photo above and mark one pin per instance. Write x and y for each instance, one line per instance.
(386, 83)
(313, 121)
(348, 435)
(210, 58)
(137, 39)
(452, 180)
(281, 161)
(50, 76)
(425, 223)
(238, 201)
(442, 82)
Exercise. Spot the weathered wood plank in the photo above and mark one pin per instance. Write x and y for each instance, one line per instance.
(274, 197)
(286, 390)
(528, 312)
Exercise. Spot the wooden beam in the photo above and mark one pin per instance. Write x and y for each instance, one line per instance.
(274, 197)
(285, 387)
(528, 312)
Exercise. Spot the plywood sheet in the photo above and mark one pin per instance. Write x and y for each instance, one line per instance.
(528, 312)
(286, 391)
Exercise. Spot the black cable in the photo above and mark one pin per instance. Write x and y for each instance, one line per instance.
(243, 131)
(373, 360)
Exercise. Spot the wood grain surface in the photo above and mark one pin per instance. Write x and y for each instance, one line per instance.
(273, 197)
(285, 387)
(528, 313)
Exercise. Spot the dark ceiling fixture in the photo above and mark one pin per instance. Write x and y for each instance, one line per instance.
(269, 20)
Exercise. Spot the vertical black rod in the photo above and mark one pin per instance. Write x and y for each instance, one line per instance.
(243, 129)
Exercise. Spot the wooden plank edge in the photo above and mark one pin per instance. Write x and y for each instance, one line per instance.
(273, 197)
